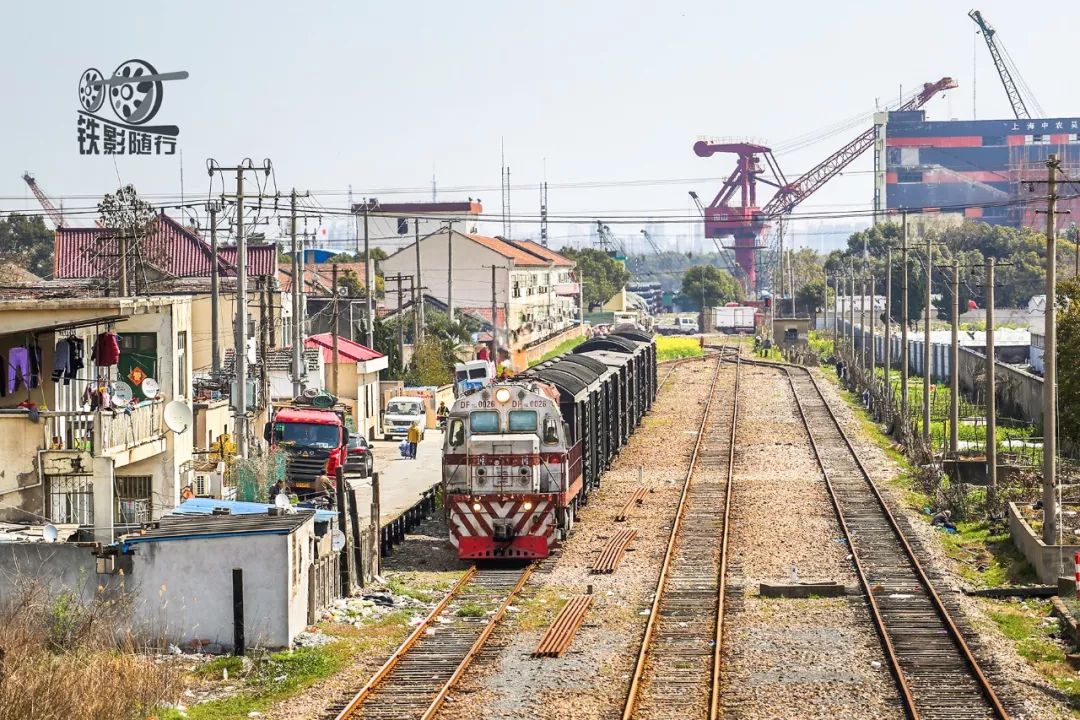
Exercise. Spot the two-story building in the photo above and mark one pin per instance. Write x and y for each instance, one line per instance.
(86, 379)
(523, 278)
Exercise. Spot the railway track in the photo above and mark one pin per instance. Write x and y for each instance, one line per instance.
(936, 672)
(677, 673)
(415, 681)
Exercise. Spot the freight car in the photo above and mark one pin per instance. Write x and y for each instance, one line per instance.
(522, 455)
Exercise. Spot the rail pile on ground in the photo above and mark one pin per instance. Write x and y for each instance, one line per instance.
(557, 638)
(937, 674)
(677, 671)
(612, 553)
(416, 679)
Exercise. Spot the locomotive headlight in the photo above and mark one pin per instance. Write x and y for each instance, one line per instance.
(502, 394)
(526, 506)
(524, 471)
(480, 472)
(477, 507)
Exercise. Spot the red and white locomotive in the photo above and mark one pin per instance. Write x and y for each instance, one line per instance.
(510, 479)
(520, 456)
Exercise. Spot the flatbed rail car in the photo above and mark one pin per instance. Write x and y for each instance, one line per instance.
(521, 456)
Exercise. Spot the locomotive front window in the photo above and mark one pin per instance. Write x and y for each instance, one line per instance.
(457, 432)
(551, 431)
(523, 421)
(484, 421)
(477, 373)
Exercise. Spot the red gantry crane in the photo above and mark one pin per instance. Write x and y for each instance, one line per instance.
(1002, 62)
(54, 214)
(745, 221)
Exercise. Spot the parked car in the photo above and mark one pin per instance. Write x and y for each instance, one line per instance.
(359, 458)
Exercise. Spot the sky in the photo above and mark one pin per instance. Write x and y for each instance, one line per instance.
(383, 96)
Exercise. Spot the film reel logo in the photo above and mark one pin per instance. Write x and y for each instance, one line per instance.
(134, 92)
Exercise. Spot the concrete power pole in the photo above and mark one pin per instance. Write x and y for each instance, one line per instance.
(450, 270)
(418, 297)
(336, 312)
(369, 281)
(836, 312)
(873, 337)
(851, 316)
(297, 307)
(215, 294)
(862, 324)
(991, 388)
(926, 342)
(1050, 531)
(954, 364)
(904, 321)
(494, 324)
(241, 319)
(887, 359)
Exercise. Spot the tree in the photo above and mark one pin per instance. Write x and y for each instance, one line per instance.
(429, 364)
(351, 282)
(1068, 357)
(124, 250)
(601, 275)
(810, 296)
(26, 242)
(708, 283)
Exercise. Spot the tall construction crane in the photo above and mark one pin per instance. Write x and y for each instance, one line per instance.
(54, 214)
(1000, 55)
(747, 222)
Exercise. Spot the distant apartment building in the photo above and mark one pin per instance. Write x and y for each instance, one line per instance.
(533, 287)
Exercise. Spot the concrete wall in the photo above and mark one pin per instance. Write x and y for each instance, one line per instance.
(1048, 561)
(472, 281)
(1019, 393)
(211, 420)
(184, 588)
(58, 566)
(20, 481)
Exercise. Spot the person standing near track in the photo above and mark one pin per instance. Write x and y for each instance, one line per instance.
(413, 439)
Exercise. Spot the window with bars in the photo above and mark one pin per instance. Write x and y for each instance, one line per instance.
(134, 499)
(71, 499)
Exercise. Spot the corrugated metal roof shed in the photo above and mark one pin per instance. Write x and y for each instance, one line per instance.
(191, 527)
(205, 506)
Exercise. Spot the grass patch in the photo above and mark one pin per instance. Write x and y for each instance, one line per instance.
(272, 678)
(538, 609)
(673, 347)
(564, 346)
(425, 587)
(1026, 625)
(471, 609)
(987, 559)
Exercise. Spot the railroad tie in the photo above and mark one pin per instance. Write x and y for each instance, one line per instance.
(636, 499)
(612, 554)
(557, 638)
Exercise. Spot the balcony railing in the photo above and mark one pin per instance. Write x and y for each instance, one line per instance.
(103, 432)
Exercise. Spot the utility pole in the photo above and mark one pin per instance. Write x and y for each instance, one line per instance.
(1050, 362)
(991, 390)
(836, 312)
(297, 306)
(369, 280)
(862, 323)
(264, 334)
(926, 343)
(873, 320)
(335, 320)
(415, 294)
(904, 320)
(418, 296)
(851, 315)
(887, 360)
(825, 303)
(450, 270)
(954, 364)
(215, 294)
(494, 324)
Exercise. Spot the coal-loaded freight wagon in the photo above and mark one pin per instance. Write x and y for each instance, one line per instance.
(520, 456)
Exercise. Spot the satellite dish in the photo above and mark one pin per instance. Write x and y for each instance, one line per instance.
(150, 388)
(337, 540)
(281, 500)
(121, 393)
(49, 533)
(177, 416)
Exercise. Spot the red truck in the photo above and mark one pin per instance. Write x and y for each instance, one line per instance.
(315, 441)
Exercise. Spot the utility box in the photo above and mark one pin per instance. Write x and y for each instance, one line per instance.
(791, 333)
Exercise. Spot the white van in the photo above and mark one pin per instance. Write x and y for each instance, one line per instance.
(687, 325)
(400, 413)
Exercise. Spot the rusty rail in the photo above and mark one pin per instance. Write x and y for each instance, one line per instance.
(637, 498)
(557, 638)
(612, 554)
(665, 568)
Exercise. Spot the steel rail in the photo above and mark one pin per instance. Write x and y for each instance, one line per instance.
(714, 698)
(939, 606)
(479, 643)
(665, 568)
(404, 648)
